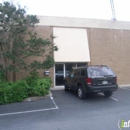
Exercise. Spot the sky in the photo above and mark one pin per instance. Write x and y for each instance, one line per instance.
(93, 9)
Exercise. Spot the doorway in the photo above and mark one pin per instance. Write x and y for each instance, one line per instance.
(59, 74)
(64, 69)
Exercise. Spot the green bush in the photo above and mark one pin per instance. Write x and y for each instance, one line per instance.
(17, 91)
(31, 80)
(37, 86)
(41, 87)
(34, 75)
(13, 92)
(2, 92)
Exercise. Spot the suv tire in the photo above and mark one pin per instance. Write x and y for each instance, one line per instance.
(81, 93)
(66, 87)
(108, 93)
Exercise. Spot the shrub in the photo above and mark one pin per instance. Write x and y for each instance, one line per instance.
(41, 87)
(37, 86)
(2, 92)
(13, 92)
(17, 91)
(31, 80)
(32, 77)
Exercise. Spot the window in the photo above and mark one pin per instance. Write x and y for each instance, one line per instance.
(69, 68)
(100, 71)
(83, 72)
(77, 72)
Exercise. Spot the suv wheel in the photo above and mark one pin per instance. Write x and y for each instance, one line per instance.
(108, 93)
(66, 87)
(81, 93)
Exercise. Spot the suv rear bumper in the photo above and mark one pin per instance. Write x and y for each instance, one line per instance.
(91, 89)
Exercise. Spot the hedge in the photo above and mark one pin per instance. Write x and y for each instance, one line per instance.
(11, 92)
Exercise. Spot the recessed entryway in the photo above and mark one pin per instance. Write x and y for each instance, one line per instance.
(64, 69)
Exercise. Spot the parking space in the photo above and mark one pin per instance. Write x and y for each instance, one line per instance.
(67, 112)
(45, 104)
(65, 99)
(62, 97)
(121, 95)
(93, 105)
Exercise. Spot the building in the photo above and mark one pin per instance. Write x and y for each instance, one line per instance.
(87, 41)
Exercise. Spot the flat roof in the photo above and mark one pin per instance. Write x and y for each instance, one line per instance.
(83, 23)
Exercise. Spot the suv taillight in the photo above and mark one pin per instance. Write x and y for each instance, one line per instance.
(89, 81)
(116, 79)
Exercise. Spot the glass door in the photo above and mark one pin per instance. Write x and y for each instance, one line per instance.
(64, 69)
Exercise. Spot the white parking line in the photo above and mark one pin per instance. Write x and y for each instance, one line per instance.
(40, 110)
(110, 97)
(14, 113)
(54, 102)
(114, 99)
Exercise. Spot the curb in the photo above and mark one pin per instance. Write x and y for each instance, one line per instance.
(57, 88)
(124, 85)
(37, 98)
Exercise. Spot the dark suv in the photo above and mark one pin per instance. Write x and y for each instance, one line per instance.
(92, 79)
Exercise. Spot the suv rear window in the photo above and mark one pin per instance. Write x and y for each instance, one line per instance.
(77, 72)
(98, 71)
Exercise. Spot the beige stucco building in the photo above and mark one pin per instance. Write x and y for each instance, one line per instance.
(87, 41)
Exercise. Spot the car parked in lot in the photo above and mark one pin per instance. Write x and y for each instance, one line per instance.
(92, 79)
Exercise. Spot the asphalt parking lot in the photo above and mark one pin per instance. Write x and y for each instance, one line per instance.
(65, 111)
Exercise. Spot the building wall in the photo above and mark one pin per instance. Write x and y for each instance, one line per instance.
(107, 47)
(111, 47)
(44, 32)
(83, 23)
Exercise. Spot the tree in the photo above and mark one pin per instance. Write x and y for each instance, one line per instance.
(18, 40)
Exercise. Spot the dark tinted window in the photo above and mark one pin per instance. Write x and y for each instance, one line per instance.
(83, 72)
(77, 72)
(100, 71)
